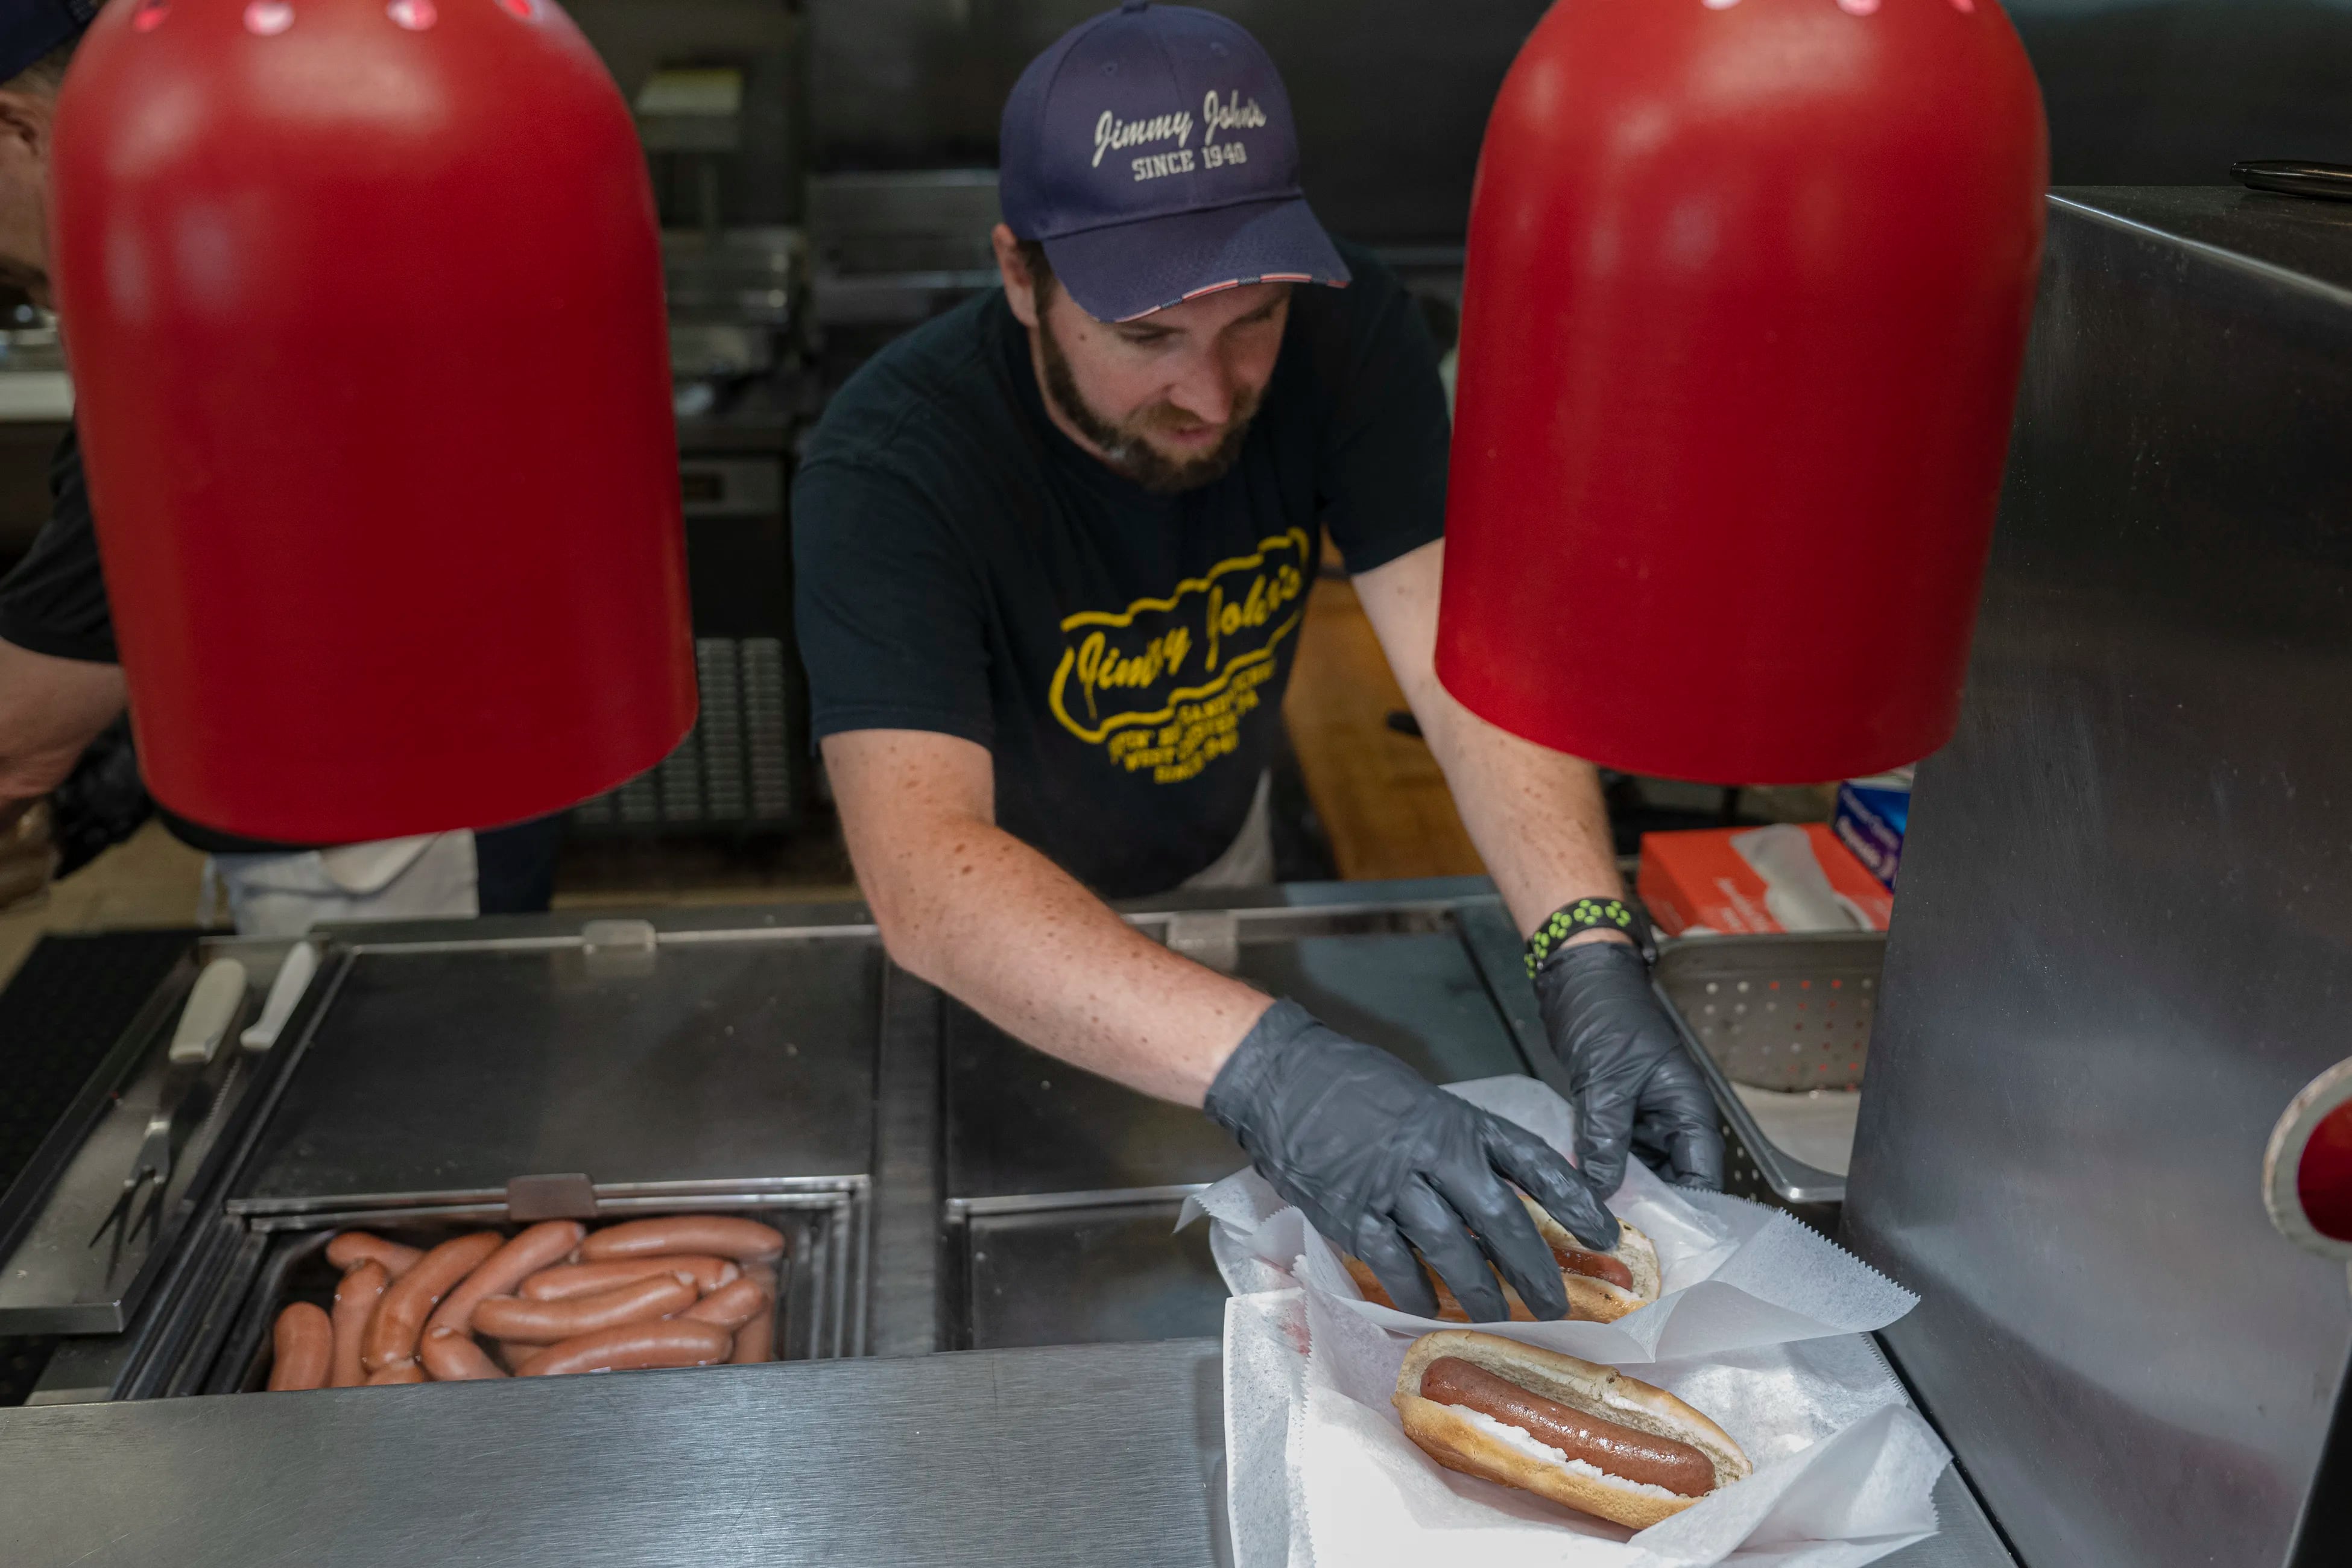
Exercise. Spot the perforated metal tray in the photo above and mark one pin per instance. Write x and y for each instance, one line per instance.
(1786, 1015)
(1778, 1012)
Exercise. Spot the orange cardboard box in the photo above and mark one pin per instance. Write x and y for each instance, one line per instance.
(1698, 878)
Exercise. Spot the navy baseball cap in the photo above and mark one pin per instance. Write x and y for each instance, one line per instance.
(1151, 150)
(31, 29)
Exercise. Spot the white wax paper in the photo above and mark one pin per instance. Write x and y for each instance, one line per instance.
(1320, 1469)
(1736, 1274)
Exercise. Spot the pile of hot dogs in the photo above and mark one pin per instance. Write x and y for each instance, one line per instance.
(681, 1291)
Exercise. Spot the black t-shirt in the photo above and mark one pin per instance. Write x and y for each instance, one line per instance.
(965, 568)
(55, 601)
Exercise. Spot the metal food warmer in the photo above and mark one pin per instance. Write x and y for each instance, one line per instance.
(942, 1187)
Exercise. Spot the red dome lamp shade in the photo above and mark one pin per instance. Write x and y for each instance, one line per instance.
(363, 306)
(1747, 289)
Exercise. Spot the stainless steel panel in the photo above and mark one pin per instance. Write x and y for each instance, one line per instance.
(2126, 892)
(1087, 1276)
(1082, 1457)
(907, 1300)
(748, 276)
(923, 220)
(459, 1065)
(1396, 975)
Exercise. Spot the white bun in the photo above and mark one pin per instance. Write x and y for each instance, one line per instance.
(1590, 1300)
(1458, 1445)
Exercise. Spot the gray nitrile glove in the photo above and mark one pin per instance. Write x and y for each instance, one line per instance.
(1383, 1164)
(1634, 1085)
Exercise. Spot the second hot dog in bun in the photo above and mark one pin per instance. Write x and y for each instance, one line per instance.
(1579, 1434)
(1602, 1287)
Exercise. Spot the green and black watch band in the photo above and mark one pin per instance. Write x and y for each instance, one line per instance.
(1622, 916)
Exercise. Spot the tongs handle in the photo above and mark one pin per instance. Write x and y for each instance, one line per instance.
(211, 1009)
(293, 978)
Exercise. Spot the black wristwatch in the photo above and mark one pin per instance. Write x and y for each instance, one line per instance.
(1623, 916)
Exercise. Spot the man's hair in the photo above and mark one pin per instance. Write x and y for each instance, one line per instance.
(1040, 270)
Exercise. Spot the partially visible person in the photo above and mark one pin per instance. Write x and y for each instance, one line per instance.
(62, 686)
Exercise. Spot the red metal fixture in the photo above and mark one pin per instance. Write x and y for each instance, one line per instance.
(364, 305)
(1748, 290)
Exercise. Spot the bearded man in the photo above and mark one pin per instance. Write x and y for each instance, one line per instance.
(1052, 551)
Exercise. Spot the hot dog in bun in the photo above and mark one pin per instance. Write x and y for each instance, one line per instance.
(1574, 1432)
(1602, 1287)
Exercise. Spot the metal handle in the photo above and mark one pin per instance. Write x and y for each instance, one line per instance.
(2295, 177)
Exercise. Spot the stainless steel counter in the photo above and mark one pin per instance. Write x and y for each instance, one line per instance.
(1080, 1455)
(1076, 1455)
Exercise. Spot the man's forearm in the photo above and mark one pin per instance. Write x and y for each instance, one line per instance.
(50, 708)
(1010, 935)
(1536, 815)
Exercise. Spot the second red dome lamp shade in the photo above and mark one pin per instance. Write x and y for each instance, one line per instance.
(1747, 297)
(363, 306)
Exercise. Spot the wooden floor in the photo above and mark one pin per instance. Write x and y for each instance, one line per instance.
(151, 880)
(1383, 801)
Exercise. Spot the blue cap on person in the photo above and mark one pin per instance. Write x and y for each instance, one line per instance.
(31, 29)
(1151, 150)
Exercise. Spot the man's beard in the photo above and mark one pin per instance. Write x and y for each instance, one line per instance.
(1122, 443)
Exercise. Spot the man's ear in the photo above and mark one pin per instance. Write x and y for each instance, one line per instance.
(1020, 289)
(24, 119)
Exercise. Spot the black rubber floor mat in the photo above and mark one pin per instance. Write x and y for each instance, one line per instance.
(65, 1009)
(59, 1018)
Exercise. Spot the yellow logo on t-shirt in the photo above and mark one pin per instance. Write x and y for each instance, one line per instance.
(1163, 684)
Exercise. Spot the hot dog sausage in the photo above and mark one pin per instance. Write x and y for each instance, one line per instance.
(302, 1344)
(571, 1280)
(743, 1239)
(400, 1316)
(756, 1340)
(525, 1255)
(398, 1372)
(546, 1322)
(1593, 1266)
(353, 1248)
(731, 1307)
(676, 1341)
(454, 1357)
(355, 1301)
(1607, 1446)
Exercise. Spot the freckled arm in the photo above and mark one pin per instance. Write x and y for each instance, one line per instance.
(965, 905)
(1536, 815)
